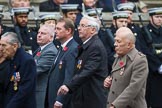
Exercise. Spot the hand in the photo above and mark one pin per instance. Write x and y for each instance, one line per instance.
(160, 69)
(55, 106)
(63, 90)
(112, 106)
(107, 82)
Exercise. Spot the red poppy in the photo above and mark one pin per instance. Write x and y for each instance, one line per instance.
(65, 48)
(79, 46)
(121, 63)
(38, 54)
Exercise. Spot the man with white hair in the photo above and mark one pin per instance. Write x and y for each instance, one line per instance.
(44, 57)
(90, 70)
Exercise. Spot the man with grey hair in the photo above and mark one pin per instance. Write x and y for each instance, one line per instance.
(21, 77)
(44, 57)
(127, 81)
(86, 85)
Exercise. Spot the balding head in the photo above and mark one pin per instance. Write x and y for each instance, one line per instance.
(127, 33)
(124, 41)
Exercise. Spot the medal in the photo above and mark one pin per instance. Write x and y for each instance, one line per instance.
(12, 78)
(60, 65)
(15, 86)
(79, 64)
(15, 78)
(122, 71)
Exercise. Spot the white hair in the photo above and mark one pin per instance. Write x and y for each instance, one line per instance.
(93, 22)
(49, 28)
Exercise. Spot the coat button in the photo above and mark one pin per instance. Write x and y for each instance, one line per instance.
(113, 92)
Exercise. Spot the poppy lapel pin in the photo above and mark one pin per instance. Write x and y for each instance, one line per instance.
(65, 48)
(38, 54)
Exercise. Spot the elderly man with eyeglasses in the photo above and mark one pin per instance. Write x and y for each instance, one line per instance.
(90, 69)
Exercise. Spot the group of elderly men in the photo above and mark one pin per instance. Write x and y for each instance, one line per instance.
(73, 62)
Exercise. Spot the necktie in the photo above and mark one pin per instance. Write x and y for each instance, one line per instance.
(58, 53)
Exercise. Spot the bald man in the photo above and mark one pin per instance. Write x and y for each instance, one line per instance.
(127, 82)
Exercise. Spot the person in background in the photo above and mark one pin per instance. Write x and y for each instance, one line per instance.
(129, 8)
(44, 57)
(107, 5)
(3, 28)
(89, 4)
(29, 41)
(19, 3)
(1, 25)
(86, 86)
(19, 89)
(120, 19)
(51, 19)
(72, 12)
(62, 69)
(50, 5)
(142, 6)
(153, 42)
(127, 81)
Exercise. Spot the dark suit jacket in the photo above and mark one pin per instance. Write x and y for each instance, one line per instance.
(91, 70)
(43, 63)
(3, 75)
(24, 97)
(61, 73)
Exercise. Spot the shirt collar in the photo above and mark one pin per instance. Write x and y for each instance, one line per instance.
(42, 47)
(65, 43)
(87, 40)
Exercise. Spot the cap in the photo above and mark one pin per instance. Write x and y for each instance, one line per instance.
(50, 16)
(64, 8)
(1, 8)
(20, 10)
(126, 6)
(141, 4)
(155, 11)
(1, 15)
(92, 12)
(119, 14)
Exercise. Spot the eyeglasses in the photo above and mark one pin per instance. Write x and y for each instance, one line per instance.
(84, 26)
